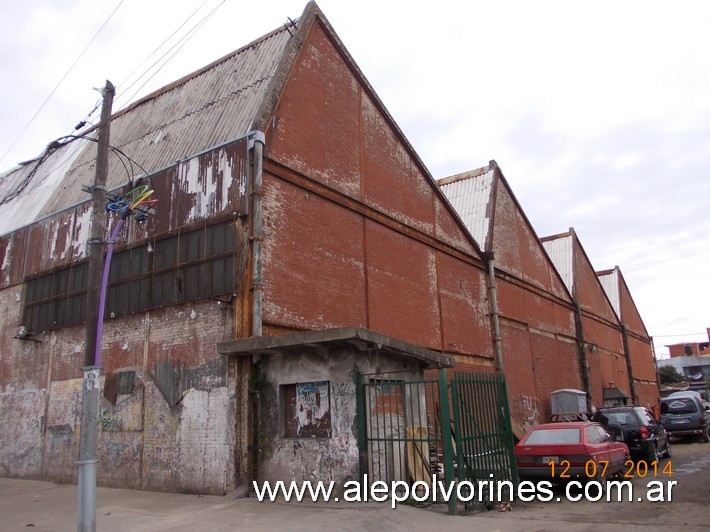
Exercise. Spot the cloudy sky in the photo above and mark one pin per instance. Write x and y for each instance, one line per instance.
(597, 113)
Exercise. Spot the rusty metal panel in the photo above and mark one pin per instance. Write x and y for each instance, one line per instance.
(207, 186)
(12, 257)
(81, 230)
(169, 378)
(211, 184)
(5, 258)
(110, 387)
(162, 183)
(118, 383)
(37, 238)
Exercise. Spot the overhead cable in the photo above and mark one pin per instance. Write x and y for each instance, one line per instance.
(19, 136)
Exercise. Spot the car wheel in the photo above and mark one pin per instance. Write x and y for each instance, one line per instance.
(652, 454)
(668, 448)
(706, 435)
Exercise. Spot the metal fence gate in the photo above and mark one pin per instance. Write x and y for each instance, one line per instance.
(423, 431)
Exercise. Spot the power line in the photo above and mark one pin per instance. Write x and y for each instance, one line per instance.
(184, 40)
(60, 82)
(156, 51)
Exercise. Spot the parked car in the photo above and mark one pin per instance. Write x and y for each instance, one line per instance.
(687, 393)
(693, 393)
(684, 415)
(582, 450)
(639, 429)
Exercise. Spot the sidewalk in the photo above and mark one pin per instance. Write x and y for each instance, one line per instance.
(45, 506)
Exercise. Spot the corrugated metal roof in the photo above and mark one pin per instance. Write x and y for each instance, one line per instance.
(470, 194)
(560, 251)
(201, 111)
(610, 282)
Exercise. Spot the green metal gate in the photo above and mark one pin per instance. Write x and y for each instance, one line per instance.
(483, 432)
(425, 431)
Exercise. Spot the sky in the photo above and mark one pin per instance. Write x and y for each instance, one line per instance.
(598, 113)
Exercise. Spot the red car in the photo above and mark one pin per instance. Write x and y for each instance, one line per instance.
(569, 451)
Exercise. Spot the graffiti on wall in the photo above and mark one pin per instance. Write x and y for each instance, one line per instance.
(526, 411)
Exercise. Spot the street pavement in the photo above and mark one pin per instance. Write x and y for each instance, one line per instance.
(46, 506)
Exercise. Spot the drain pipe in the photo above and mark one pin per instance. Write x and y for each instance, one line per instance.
(257, 140)
(495, 315)
(629, 364)
(582, 350)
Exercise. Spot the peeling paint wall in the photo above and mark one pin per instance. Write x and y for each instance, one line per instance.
(328, 459)
(21, 426)
(142, 441)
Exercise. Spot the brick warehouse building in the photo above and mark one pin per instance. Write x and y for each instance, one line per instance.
(536, 312)
(617, 347)
(638, 346)
(296, 207)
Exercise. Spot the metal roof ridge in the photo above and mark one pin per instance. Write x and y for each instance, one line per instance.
(470, 174)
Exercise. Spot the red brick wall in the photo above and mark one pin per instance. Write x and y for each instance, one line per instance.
(361, 235)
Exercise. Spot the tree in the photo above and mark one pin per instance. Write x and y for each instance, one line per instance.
(669, 375)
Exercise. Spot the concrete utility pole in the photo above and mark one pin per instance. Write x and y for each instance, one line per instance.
(90, 393)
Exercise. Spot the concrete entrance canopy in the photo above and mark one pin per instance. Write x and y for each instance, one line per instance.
(354, 337)
(301, 388)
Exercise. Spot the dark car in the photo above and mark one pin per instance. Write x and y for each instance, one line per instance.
(569, 450)
(638, 428)
(684, 415)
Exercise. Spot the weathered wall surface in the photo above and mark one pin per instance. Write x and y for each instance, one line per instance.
(537, 316)
(352, 218)
(639, 344)
(518, 250)
(601, 327)
(21, 426)
(606, 359)
(539, 349)
(643, 370)
(144, 441)
(328, 459)
(536, 363)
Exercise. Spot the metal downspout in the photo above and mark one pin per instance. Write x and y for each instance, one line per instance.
(582, 350)
(629, 365)
(256, 145)
(495, 316)
(246, 453)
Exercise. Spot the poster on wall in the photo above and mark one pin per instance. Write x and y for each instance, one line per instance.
(308, 410)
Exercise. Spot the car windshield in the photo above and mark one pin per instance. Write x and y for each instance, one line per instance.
(678, 406)
(620, 418)
(553, 435)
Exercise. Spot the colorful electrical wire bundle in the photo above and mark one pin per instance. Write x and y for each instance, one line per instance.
(136, 200)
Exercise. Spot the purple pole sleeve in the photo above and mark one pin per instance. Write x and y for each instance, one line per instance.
(104, 285)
